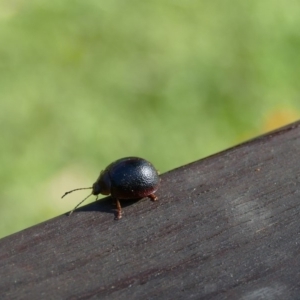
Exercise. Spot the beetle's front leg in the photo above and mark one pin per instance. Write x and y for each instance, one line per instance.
(119, 209)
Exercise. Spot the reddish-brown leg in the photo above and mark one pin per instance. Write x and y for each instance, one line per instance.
(153, 197)
(119, 209)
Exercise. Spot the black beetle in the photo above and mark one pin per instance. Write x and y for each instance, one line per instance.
(126, 178)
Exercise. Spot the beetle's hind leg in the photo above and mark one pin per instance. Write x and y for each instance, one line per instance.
(119, 209)
(153, 197)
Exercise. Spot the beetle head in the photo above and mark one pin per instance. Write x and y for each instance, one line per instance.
(102, 184)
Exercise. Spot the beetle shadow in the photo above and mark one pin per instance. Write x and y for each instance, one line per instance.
(105, 205)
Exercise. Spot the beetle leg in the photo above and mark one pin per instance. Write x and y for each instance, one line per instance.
(119, 209)
(153, 197)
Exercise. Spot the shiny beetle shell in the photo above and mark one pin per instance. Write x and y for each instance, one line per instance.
(127, 178)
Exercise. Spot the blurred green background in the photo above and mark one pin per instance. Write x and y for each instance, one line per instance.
(83, 83)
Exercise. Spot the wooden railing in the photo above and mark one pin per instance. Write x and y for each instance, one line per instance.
(224, 227)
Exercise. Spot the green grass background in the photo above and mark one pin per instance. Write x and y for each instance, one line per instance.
(83, 83)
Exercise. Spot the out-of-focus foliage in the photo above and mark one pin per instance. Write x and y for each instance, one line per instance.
(83, 83)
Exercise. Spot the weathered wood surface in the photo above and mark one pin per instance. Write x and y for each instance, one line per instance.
(225, 227)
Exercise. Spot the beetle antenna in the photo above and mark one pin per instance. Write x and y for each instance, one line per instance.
(66, 193)
(79, 204)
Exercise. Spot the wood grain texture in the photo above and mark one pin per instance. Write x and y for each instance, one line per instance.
(225, 227)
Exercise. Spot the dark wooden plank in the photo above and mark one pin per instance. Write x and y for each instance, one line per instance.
(225, 227)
